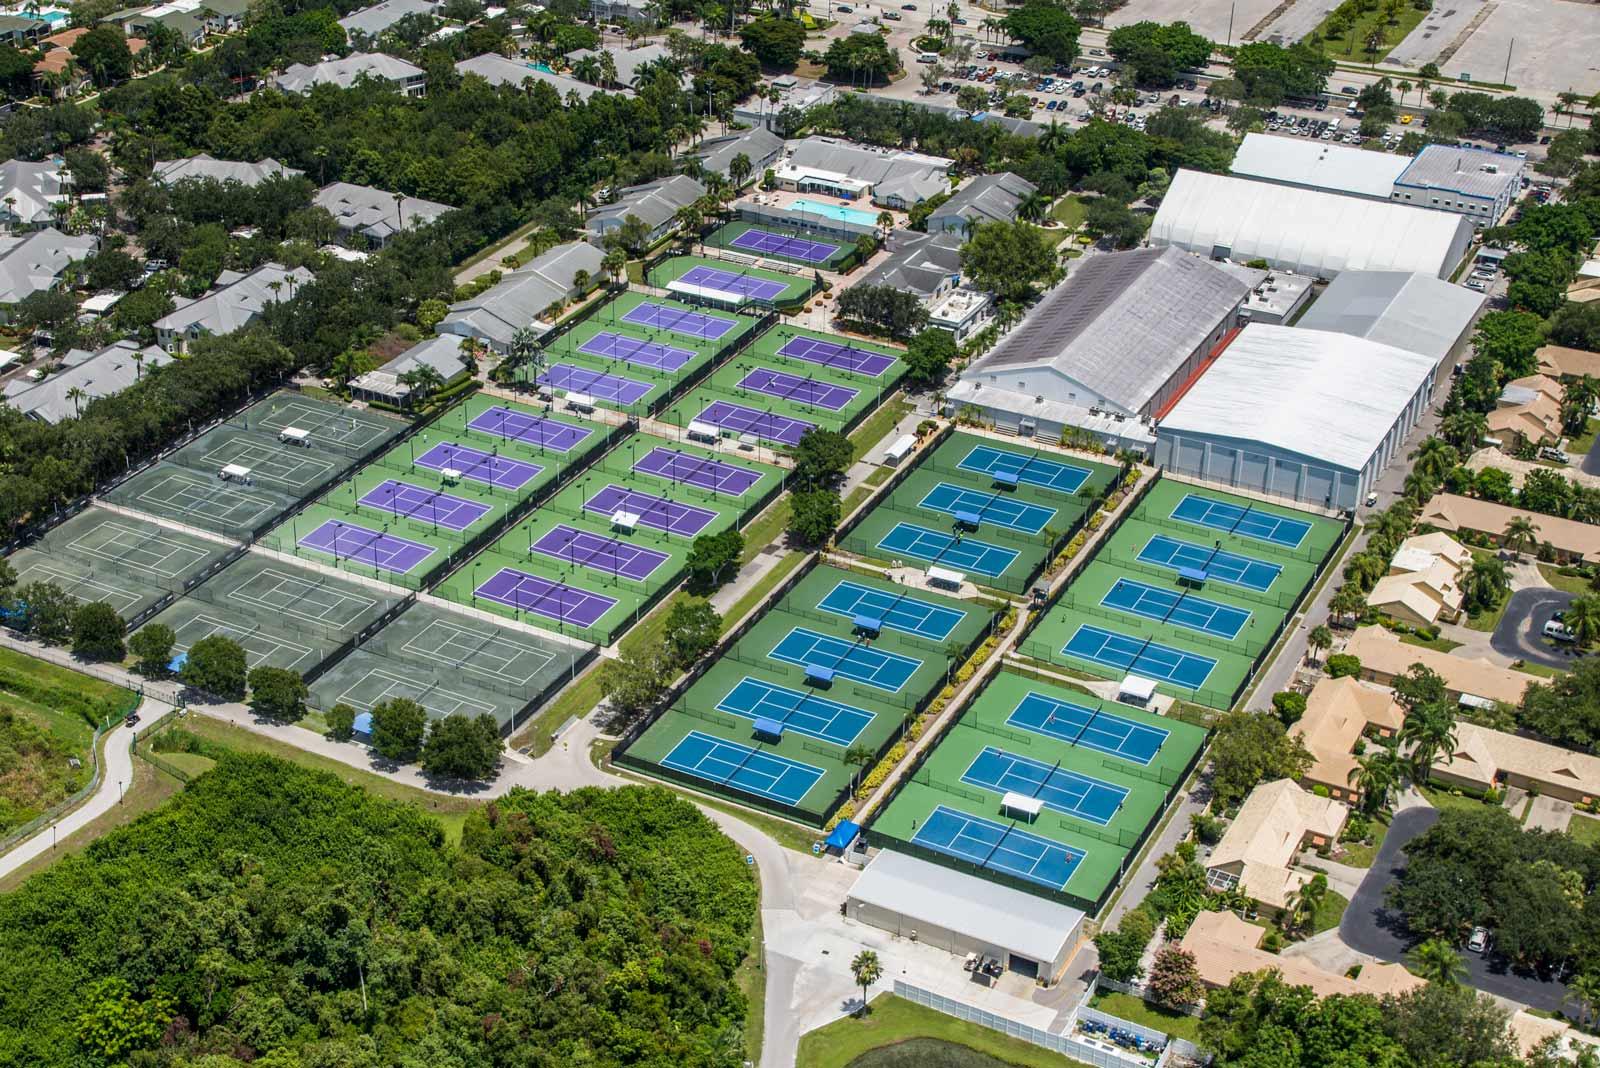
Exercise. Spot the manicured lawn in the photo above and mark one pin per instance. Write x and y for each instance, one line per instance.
(1441, 644)
(1070, 211)
(878, 425)
(1444, 800)
(1329, 914)
(1540, 670)
(1139, 1011)
(890, 1019)
(1352, 47)
(767, 528)
(1584, 441)
(1585, 829)
(879, 476)
(1360, 854)
(1487, 621)
(853, 499)
(1566, 583)
(763, 586)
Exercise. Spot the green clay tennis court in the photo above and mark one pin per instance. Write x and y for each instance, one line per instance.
(792, 245)
(726, 284)
(1042, 787)
(770, 723)
(1189, 592)
(988, 509)
(593, 558)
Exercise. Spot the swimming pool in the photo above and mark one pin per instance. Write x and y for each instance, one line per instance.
(836, 212)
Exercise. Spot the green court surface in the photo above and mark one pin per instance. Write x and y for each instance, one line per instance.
(878, 684)
(797, 286)
(572, 567)
(127, 562)
(728, 235)
(1017, 524)
(784, 341)
(439, 489)
(1104, 773)
(688, 338)
(932, 618)
(1128, 612)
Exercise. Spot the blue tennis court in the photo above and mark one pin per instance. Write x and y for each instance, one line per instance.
(798, 711)
(854, 660)
(999, 847)
(1014, 467)
(742, 767)
(1223, 566)
(897, 612)
(1242, 520)
(1089, 728)
(988, 507)
(1179, 609)
(1127, 653)
(966, 554)
(1060, 789)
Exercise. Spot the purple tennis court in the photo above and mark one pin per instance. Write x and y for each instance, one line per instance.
(833, 354)
(428, 506)
(553, 600)
(585, 548)
(679, 320)
(597, 384)
(347, 541)
(721, 281)
(479, 466)
(699, 471)
(800, 390)
(545, 433)
(609, 346)
(653, 511)
(795, 248)
(765, 425)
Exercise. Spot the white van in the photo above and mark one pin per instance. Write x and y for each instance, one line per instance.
(927, 57)
(1558, 631)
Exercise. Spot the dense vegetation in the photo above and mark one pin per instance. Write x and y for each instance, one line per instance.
(274, 915)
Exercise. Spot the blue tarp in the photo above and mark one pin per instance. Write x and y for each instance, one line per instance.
(362, 723)
(177, 663)
(843, 835)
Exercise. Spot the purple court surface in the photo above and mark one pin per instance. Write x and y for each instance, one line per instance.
(764, 425)
(729, 282)
(800, 390)
(423, 505)
(700, 471)
(553, 600)
(796, 248)
(597, 384)
(653, 511)
(609, 346)
(535, 430)
(479, 466)
(833, 354)
(679, 320)
(346, 541)
(611, 555)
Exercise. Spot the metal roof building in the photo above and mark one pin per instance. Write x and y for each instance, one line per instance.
(1310, 415)
(1305, 231)
(962, 914)
(987, 198)
(1315, 164)
(523, 296)
(1415, 312)
(1475, 182)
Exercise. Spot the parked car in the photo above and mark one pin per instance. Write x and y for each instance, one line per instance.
(1554, 455)
(1480, 939)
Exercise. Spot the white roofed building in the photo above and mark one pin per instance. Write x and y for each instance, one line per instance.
(220, 170)
(517, 73)
(1474, 182)
(407, 78)
(35, 261)
(1415, 312)
(373, 20)
(375, 214)
(530, 296)
(1315, 164)
(891, 177)
(1306, 414)
(97, 374)
(29, 193)
(235, 302)
(1303, 230)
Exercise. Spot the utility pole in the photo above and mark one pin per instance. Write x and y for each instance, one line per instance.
(1230, 23)
(1506, 78)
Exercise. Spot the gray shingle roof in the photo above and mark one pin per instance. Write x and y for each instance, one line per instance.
(497, 313)
(758, 143)
(373, 212)
(989, 198)
(32, 188)
(99, 374)
(653, 202)
(628, 60)
(498, 70)
(1122, 323)
(379, 17)
(920, 263)
(236, 301)
(878, 166)
(33, 262)
(302, 77)
(221, 170)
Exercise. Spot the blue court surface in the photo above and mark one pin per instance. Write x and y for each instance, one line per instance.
(1241, 520)
(896, 612)
(1179, 609)
(1223, 566)
(1089, 728)
(988, 507)
(1060, 789)
(1127, 653)
(944, 550)
(999, 847)
(800, 712)
(853, 660)
(1033, 470)
(742, 767)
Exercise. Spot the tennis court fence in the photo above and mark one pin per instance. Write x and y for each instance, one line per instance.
(1283, 601)
(1309, 555)
(353, 642)
(729, 792)
(1086, 494)
(1208, 697)
(995, 729)
(1238, 647)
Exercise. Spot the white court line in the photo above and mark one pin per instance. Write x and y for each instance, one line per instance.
(291, 582)
(318, 420)
(267, 462)
(71, 583)
(196, 494)
(410, 689)
(245, 638)
(469, 640)
(134, 552)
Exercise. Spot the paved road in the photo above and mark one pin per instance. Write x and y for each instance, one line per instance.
(1518, 635)
(1369, 927)
(118, 773)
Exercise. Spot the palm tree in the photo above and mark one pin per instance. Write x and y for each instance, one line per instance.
(1435, 457)
(1584, 991)
(1319, 639)
(885, 221)
(1463, 429)
(1582, 617)
(858, 757)
(867, 970)
(1305, 901)
(1568, 100)
(1032, 207)
(614, 262)
(1520, 534)
(525, 350)
(1348, 600)
(1430, 730)
(77, 395)
(1486, 582)
(1437, 962)
(1375, 776)
(1403, 87)
(421, 380)
(740, 168)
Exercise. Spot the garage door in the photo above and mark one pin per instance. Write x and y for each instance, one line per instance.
(1023, 966)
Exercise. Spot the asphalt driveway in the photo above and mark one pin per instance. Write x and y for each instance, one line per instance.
(1370, 927)
(1519, 634)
